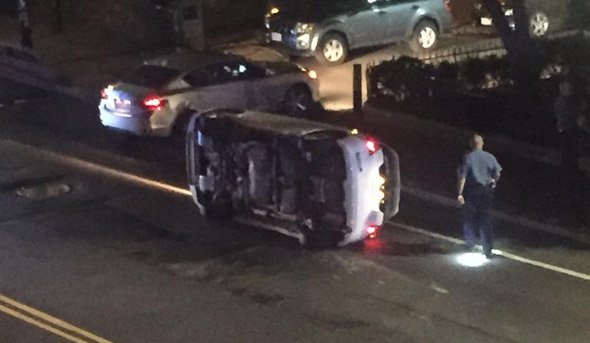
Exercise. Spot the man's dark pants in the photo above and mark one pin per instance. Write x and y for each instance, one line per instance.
(476, 217)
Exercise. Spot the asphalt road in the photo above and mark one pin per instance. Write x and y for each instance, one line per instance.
(124, 259)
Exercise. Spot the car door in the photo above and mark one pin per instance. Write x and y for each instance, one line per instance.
(261, 88)
(366, 24)
(220, 87)
(401, 14)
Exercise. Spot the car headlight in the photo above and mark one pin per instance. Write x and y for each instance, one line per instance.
(304, 28)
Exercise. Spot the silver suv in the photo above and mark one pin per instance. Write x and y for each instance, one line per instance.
(328, 29)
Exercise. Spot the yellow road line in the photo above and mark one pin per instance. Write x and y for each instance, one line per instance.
(50, 319)
(40, 325)
(547, 266)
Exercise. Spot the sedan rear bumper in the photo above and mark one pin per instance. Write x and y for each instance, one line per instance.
(139, 126)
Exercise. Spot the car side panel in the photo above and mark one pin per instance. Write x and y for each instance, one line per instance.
(270, 92)
(429, 10)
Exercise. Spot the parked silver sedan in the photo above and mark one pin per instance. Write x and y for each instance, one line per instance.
(158, 98)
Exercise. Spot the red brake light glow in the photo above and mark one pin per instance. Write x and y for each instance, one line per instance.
(372, 231)
(103, 94)
(153, 103)
(372, 145)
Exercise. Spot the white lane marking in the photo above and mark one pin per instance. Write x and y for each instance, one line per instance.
(102, 170)
(505, 254)
(515, 220)
(143, 181)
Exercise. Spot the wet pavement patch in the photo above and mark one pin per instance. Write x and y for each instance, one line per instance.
(43, 190)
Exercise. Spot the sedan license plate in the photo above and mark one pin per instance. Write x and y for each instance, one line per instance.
(122, 105)
(275, 36)
(486, 21)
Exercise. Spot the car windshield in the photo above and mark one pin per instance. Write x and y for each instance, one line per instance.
(151, 76)
(316, 8)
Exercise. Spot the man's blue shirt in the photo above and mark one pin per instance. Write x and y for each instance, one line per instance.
(479, 167)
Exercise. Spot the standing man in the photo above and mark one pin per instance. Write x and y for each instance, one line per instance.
(478, 176)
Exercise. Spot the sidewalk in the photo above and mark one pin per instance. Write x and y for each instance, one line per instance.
(459, 135)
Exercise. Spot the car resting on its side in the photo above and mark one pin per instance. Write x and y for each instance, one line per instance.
(158, 97)
(313, 181)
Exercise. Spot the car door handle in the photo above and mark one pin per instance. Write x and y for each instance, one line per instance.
(415, 7)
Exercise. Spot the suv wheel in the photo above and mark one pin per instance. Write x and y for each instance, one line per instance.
(539, 24)
(333, 49)
(425, 36)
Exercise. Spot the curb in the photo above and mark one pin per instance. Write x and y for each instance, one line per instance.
(456, 134)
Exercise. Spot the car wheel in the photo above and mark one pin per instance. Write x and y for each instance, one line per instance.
(539, 24)
(298, 101)
(425, 36)
(333, 49)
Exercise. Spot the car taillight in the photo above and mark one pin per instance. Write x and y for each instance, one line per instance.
(372, 231)
(372, 145)
(153, 103)
(448, 5)
(105, 92)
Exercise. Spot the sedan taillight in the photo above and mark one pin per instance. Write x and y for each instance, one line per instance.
(153, 103)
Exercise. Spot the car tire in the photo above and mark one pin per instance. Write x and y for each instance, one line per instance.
(333, 49)
(298, 101)
(425, 36)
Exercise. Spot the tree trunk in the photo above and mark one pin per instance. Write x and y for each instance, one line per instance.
(520, 48)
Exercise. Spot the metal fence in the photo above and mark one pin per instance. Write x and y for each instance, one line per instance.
(479, 49)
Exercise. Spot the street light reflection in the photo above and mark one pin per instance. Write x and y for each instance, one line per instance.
(472, 260)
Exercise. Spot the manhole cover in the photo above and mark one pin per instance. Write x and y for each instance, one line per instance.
(43, 191)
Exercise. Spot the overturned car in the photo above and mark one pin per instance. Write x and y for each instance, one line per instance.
(316, 182)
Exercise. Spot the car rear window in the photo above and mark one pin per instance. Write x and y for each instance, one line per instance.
(152, 76)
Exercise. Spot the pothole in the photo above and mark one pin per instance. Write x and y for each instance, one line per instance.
(43, 191)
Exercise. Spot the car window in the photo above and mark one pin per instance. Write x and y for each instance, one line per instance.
(234, 71)
(198, 78)
(152, 76)
(253, 72)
